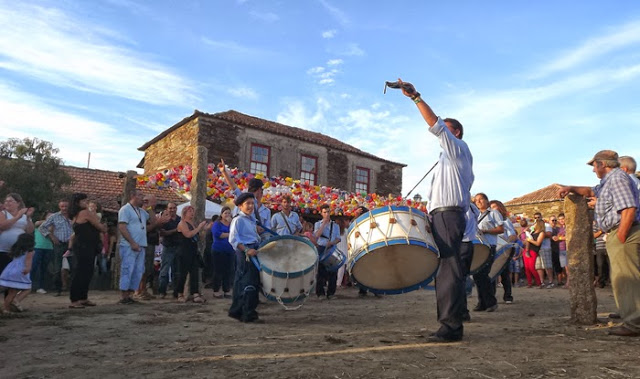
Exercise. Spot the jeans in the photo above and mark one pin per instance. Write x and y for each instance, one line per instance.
(40, 266)
(168, 263)
(131, 267)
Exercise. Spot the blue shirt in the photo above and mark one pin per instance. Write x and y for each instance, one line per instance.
(243, 230)
(490, 221)
(220, 245)
(471, 221)
(453, 176)
(615, 193)
(286, 225)
(263, 212)
(136, 220)
(62, 228)
(331, 232)
(509, 230)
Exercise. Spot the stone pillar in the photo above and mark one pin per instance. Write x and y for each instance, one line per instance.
(580, 260)
(128, 187)
(199, 187)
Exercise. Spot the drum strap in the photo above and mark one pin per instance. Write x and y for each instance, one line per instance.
(284, 217)
(484, 214)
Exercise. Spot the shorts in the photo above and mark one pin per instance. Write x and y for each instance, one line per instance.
(546, 258)
(563, 258)
(515, 266)
(539, 263)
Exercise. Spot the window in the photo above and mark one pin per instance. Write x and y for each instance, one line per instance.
(260, 159)
(308, 169)
(362, 179)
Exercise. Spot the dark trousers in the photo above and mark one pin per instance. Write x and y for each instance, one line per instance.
(5, 259)
(188, 263)
(168, 265)
(223, 270)
(555, 260)
(486, 289)
(505, 276)
(325, 278)
(82, 272)
(56, 258)
(466, 257)
(602, 267)
(245, 289)
(448, 229)
(40, 267)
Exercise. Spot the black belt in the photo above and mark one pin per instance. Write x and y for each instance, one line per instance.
(635, 223)
(447, 209)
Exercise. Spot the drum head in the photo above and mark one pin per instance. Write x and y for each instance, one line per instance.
(287, 254)
(500, 262)
(481, 255)
(395, 267)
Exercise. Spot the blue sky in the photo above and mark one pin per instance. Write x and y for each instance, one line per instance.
(539, 86)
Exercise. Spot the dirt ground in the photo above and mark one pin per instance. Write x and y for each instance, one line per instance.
(348, 337)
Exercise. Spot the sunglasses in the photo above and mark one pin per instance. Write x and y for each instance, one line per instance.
(554, 220)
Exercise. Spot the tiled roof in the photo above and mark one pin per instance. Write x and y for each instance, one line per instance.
(272, 127)
(106, 187)
(543, 195)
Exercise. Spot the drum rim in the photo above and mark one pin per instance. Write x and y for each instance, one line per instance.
(279, 274)
(422, 284)
(376, 211)
(506, 263)
(286, 300)
(487, 262)
(391, 242)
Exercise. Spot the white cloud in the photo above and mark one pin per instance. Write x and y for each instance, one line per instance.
(329, 33)
(74, 135)
(296, 114)
(626, 35)
(315, 70)
(336, 13)
(335, 62)
(243, 92)
(51, 46)
(266, 17)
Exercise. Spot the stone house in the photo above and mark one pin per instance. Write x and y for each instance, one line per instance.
(261, 146)
(544, 200)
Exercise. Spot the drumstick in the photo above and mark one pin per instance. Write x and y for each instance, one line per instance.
(425, 175)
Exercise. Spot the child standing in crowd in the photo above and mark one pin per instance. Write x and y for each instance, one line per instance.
(16, 276)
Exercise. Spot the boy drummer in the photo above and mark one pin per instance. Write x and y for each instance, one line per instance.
(244, 238)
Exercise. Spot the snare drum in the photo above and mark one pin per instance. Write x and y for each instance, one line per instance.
(390, 251)
(288, 267)
(481, 254)
(502, 258)
(334, 259)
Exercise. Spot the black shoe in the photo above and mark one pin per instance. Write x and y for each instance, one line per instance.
(479, 308)
(492, 308)
(466, 317)
(437, 338)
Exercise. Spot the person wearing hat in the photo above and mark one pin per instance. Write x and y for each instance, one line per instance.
(616, 212)
(244, 239)
(261, 213)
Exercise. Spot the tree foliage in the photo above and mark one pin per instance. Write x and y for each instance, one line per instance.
(31, 168)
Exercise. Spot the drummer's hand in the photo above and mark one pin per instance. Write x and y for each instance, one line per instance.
(411, 92)
(252, 252)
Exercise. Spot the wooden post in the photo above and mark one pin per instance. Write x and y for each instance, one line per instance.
(199, 190)
(580, 260)
(128, 187)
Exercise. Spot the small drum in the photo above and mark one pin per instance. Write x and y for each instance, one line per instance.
(501, 259)
(334, 259)
(390, 251)
(288, 267)
(481, 254)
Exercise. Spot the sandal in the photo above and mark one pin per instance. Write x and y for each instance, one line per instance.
(199, 299)
(181, 299)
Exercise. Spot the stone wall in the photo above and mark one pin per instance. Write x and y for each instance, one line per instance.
(547, 208)
(389, 179)
(176, 148)
(338, 170)
(222, 140)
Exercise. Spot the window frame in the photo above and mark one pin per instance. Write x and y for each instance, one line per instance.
(356, 181)
(314, 172)
(251, 161)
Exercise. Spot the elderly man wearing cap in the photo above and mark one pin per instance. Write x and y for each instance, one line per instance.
(617, 214)
(261, 214)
